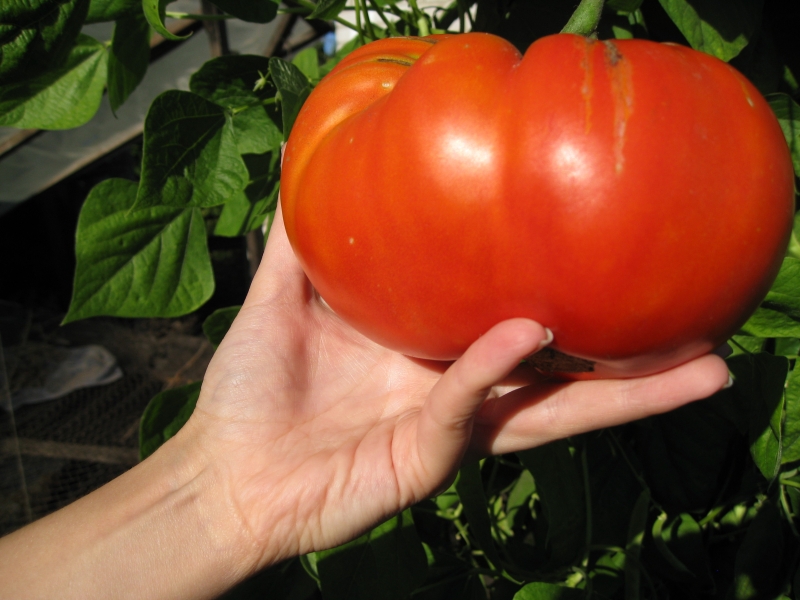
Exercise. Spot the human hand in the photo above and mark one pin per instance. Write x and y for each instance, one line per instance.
(315, 433)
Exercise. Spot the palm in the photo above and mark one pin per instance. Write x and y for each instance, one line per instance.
(334, 433)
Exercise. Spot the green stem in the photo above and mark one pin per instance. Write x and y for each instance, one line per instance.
(181, 15)
(389, 25)
(585, 19)
(311, 6)
(360, 31)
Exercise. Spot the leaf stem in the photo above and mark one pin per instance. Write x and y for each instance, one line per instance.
(389, 25)
(197, 17)
(585, 19)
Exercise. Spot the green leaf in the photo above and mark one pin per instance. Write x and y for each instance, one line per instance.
(759, 559)
(680, 542)
(190, 154)
(128, 58)
(791, 427)
(113, 10)
(633, 549)
(327, 10)
(248, 210)
(388, 562)
(560, 488)
(779, 313)
(147, 263)
(549, 591)
(230, 82)
(759, 385)
(293, 87)
(285, 581)
(788, 113)
(449, 577)
(518, 497)
(721, 29)
(308, 63)
(155, 12)
(470, 491)
(165, 414)
(614, 488)
(684, 453)
(262, 11)
(36, 36)
(61, 98)
(218, 323)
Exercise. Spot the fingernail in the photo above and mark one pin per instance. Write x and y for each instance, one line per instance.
(548, 340)
(729, 383)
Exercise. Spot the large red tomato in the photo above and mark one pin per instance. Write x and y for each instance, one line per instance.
(636, 198)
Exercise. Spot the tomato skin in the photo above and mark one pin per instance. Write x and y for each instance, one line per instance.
(636, 198)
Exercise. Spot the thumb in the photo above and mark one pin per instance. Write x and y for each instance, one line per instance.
(445, 421)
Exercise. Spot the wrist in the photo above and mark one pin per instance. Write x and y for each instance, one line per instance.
(167, 528)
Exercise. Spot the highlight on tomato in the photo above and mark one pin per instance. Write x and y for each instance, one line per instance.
(634, 197)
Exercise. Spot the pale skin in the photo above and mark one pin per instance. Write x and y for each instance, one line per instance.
(305, 435)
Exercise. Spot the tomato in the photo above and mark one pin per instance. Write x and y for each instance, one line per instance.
(634, 197)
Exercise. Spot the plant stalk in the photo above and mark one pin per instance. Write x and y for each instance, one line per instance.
(585, 19)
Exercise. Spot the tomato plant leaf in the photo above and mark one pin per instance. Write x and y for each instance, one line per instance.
(721, 29)
(231, 82)
(262, 11)
(779, 313)
(36, 36)
(518, 497)
(614, 487)
(112, 10)
(539, 590)
(470, 491)
(217, 323)
(190, 153)
(759, 385)
(387, 562)
(165, 414)
(684, 454)
(247, 210)
(449, 577)
(155, 12)
(146, 263)
(788, 113)
(791, 427)
(682, 543)
(327, 10)
(308, 63)
(633, 548)
(293, 88)
(61, 98)
(760, 556)
(285, 581)
(128, 58)
(560, 488)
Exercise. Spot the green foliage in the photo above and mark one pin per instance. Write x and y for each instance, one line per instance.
(36, 36)
(165, 414)
(149, 262)
(62, 98)
(698, 503)
(387, 562)
(128, 57)
(721, 29)
(217, 323)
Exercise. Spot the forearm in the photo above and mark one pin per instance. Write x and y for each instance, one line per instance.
(162, 530)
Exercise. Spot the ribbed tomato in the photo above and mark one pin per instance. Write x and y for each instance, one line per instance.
(634, 197)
